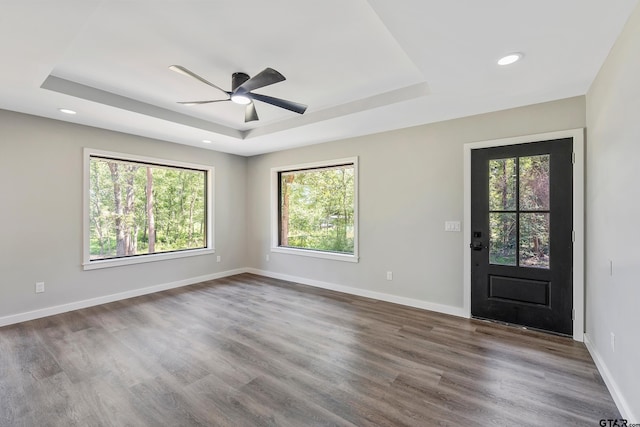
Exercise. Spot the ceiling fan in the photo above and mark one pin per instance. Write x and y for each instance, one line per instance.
(241, 91)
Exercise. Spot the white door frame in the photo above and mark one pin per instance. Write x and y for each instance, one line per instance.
(578, 216)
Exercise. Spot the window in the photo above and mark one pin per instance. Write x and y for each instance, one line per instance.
(315, 209)
(140, 209)
(519, 211)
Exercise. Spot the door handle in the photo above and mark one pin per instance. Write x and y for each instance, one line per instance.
(476, 245)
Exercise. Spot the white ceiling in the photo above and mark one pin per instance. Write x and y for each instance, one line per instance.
(362, 66)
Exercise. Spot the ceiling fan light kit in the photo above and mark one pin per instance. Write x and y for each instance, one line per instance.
(240, 99)
(241, 91)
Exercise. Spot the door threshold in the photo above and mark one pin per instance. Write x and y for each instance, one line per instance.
(521, 327)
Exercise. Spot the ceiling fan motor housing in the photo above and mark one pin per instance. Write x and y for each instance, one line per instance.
(237, 79)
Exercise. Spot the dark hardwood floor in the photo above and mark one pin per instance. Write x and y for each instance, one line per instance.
(252, 351)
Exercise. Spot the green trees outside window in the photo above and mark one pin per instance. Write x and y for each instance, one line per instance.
(141, 208)
(519, 212)
(317, 208)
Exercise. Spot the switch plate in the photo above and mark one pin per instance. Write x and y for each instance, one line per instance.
(39, 287)
(219, 258)
(389, 275)
(452, 226)
(267, 257)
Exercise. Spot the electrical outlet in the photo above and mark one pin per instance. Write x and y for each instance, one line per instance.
(267, 257)
(219, 258)
(613, 342)
(39, 287)
(389, 275)
(610, 267)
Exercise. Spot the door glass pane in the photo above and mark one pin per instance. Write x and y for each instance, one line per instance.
(534, 183)
(534, 240)
(502, 184)
(502, 243)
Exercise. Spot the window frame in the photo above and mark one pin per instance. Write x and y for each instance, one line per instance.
(275, 211)
(88, 264)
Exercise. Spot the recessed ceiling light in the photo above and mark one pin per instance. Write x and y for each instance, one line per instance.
(66, 111)
(510, 59)
(206, 141)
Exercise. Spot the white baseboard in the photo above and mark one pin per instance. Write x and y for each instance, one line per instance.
(76, 305)
(410, 302)
(616, 394)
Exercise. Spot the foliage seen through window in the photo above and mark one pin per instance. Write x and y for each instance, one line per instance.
(317, 208)
(140, 208)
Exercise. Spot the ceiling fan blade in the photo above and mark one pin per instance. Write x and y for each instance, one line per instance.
(282, 103)
(250, 114)
(266, 77)
(202, 102)
(181, 70)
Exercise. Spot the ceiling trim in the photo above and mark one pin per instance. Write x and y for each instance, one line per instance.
(78, 90)
(89, 93)
(380, 100)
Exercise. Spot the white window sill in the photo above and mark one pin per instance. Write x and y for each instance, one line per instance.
(141, 259)
(316, 254)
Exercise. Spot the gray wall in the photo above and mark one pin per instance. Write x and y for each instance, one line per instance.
(613, 212)
(41, 214)
(411, 182)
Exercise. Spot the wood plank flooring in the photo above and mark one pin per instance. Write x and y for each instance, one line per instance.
(253, 351)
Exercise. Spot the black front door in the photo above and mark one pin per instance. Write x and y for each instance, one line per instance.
(522, 234)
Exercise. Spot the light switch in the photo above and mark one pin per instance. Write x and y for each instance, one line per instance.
(452, 226)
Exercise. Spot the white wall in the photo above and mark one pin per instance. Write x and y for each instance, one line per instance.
(613, 213)
(41, 215)
(411, 182)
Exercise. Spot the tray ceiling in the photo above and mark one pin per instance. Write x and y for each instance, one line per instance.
(361, 66)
